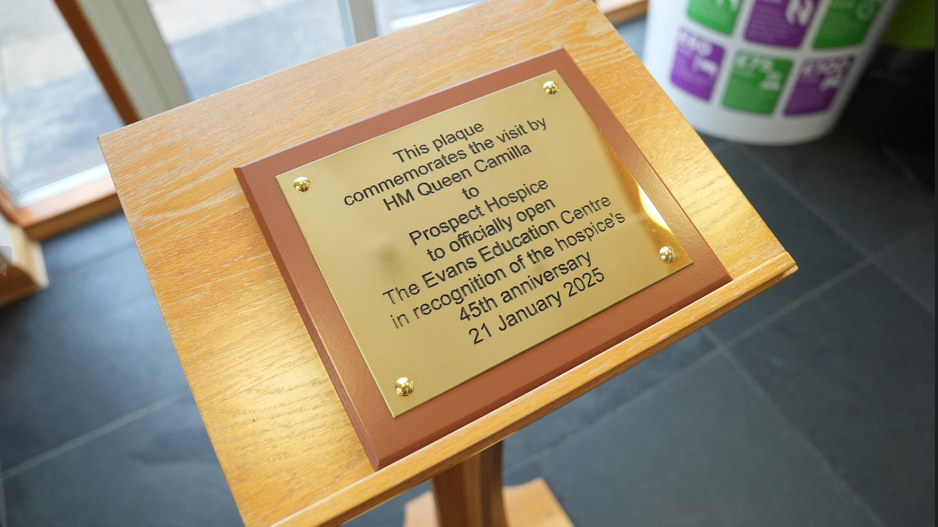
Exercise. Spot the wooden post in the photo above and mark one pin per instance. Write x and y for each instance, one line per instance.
(470, 494)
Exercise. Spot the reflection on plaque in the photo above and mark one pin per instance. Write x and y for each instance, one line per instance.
(453, 253)
(461, 240)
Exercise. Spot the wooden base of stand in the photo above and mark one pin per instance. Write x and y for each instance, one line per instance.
(25, 271)
(471, 495)
(529, 505)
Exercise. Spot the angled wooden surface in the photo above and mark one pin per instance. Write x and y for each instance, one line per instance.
(282, 436)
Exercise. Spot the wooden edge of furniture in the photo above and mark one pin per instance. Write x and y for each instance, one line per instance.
(284, 441)
(619, 11)
(470, 493)
(27, 273)
(61, 212)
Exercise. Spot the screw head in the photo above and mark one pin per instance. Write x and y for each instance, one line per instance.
(302, 184)
(667, 254)
(404, 386)
(551, 87)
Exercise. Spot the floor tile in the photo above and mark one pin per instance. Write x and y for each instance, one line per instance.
(847, 175)
(819, 252)
(916, 166)
(390, 513)
(159, 470)
(913, 262)
(3, 506)
(713, 143)
(88, 350)
(522, 473)
(516, 449)
(90, 289)
(591, 406)
(701, 449)
(87, 244)
(854, 370)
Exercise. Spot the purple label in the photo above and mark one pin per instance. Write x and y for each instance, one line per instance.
(780, 22)
(696, 64)
(817, 84)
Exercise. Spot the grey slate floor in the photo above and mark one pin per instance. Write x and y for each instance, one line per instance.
(813, 404)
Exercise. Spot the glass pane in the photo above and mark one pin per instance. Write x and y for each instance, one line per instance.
(218, 44)
(52, 107)
(394, 15)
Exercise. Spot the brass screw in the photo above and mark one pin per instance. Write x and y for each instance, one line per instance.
(667, 254)
(302, 184)
(551, 87)
(404, 386)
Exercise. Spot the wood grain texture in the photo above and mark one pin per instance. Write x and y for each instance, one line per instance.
(470, 494)
(283, 439)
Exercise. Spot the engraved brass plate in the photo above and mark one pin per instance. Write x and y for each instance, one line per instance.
(461, 240)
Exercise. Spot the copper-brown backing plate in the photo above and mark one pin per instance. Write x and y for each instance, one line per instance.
(385, 438)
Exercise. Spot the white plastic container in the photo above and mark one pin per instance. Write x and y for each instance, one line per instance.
(762, 71)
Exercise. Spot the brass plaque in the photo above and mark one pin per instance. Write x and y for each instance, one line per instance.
(461, 240)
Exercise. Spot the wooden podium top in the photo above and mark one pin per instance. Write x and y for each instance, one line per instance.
(286, 445)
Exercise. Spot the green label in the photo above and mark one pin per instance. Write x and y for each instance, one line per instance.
(756, 82)
(846, 23)
(715, 14)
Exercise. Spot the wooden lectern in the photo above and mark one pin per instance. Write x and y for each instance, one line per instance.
(281, 434)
